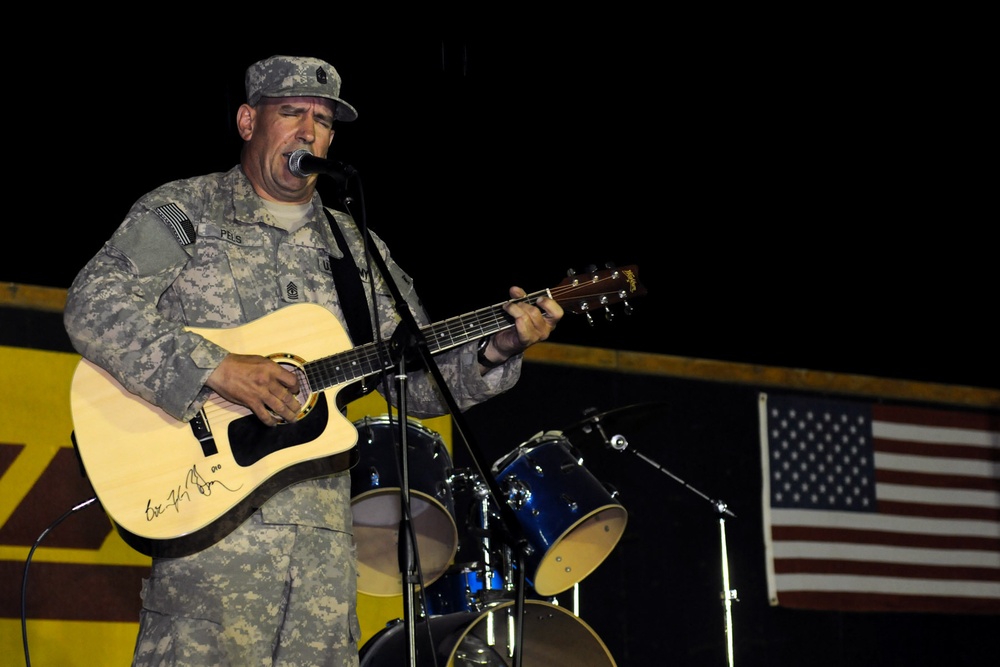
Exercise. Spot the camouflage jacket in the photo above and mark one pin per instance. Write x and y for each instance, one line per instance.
(205, 252)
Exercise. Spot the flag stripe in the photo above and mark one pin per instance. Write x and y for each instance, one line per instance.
(958, 497)
(873, 584)
(967, 452)
(893, 524)
(838, 535)
(946, 555)
(937, 511)
(986, 424)
(945, 438)
(879, 568)
(877, 508)
(890, 476)
(847, 601)
(972, 471)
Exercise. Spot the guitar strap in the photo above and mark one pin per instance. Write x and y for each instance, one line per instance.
(353, 301)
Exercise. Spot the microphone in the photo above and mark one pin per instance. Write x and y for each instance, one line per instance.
(302, 163)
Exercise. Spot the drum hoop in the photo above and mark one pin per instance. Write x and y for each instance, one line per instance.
(622, 515)
(446, 627)
(554, 608)
(395, 491)
(538, 440)
(411, 422)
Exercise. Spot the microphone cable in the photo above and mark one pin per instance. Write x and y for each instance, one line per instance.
(24, 579)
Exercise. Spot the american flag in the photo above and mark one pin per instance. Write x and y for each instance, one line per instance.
(872, 507)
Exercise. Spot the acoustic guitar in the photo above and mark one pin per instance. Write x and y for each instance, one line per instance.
(172, 488)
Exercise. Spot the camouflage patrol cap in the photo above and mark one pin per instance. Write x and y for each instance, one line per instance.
(295, 76)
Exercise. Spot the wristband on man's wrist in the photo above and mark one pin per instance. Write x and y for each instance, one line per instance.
(481, 355)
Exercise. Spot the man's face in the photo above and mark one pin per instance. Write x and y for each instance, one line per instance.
(273, 130)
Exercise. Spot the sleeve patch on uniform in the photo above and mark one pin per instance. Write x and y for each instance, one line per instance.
(178, 222)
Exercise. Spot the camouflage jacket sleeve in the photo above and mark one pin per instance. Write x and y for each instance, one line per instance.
(112, 319)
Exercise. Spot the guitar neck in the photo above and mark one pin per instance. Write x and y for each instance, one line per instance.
(578, 294)
(374, 358)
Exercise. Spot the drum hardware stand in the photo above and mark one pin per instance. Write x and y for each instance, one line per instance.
(510, 527)
(482, 495)
(619, 443)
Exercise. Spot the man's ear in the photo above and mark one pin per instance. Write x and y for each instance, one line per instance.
(245, 116)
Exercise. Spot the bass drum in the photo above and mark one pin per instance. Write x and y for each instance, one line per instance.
(375, 496)
(551, 634)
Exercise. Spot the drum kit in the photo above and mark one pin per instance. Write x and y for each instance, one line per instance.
(570, 520)
(472, 583)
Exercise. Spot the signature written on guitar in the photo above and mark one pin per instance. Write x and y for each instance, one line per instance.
(183, 492)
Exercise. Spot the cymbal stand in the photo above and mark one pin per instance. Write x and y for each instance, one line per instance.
(620, 443)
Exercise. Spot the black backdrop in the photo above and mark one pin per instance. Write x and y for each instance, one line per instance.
(795, 193)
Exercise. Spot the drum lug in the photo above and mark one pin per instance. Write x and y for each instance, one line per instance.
(535, 466)
(570, 503)
(442, 491)
(479, 489)
(518, 493)
(373, 477)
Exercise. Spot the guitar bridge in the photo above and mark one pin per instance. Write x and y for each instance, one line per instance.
(203, 433)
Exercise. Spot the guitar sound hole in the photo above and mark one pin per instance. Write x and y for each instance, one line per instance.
(300, 377)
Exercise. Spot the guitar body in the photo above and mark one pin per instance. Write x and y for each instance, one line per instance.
(169, 492)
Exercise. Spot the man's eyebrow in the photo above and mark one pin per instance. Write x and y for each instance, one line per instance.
(320, 112)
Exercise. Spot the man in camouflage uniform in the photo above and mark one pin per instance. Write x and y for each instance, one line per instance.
(222, 250)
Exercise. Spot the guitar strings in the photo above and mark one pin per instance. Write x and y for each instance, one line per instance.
(454, 331)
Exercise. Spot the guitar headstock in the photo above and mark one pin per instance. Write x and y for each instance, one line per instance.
(583, 293)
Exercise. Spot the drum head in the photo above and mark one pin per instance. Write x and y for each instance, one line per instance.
(376, 534)
(376, 504)
(552, 636)
(580, 549)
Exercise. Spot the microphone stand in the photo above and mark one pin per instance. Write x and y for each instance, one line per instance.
(619, 443)
(510, 528)
(407, 546)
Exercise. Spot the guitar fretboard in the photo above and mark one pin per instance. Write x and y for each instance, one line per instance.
(374, 358)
